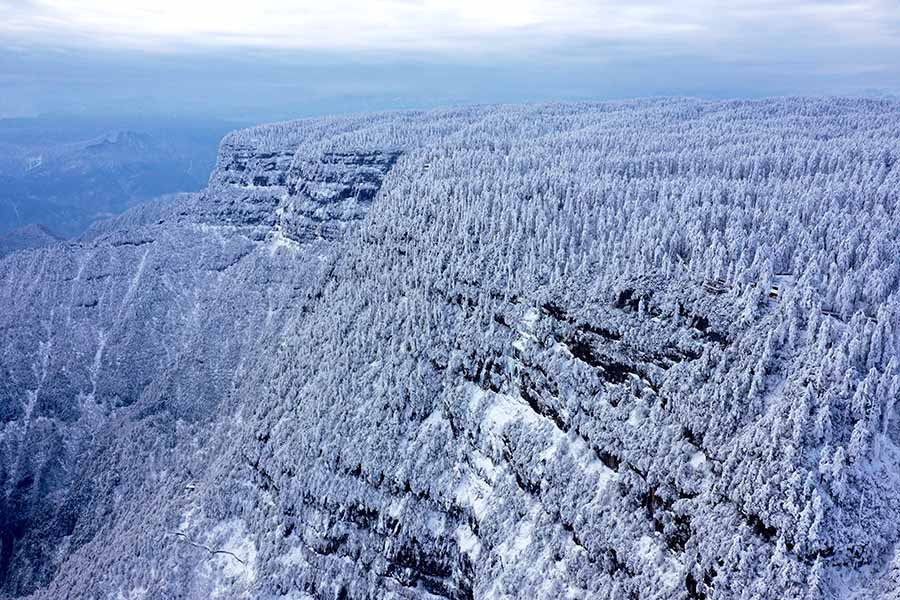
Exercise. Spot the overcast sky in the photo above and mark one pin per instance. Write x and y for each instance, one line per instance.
(275, 58)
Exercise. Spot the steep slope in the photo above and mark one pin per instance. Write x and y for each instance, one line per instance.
(631, 350)
(142, 326)
(24, 238)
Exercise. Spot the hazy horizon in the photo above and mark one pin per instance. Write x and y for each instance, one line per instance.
(284, 60)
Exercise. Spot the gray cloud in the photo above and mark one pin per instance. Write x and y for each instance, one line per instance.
(453, 26)
(277, 59)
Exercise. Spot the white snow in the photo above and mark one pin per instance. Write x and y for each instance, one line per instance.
(590, 463)
(395, 508)
(659, 562)
(504, 410)
(468, 542)
(436, 524)
(483, 465)
(529, 320)
(698, 459)
(475, 494)
(278, 241)
(645, 549)
(550, 451)
(34, 162)
(94, 370)
(561, 348)
(189, 517)
(435, 418)
(476, 396)
(229, 574)
(637, 415)
(523, 538)
(133, 286)
(513, 549)
(293, 558)
(519, 344)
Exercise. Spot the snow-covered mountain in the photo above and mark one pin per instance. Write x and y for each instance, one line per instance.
(625, 350)
(66, 173)
(29, 236)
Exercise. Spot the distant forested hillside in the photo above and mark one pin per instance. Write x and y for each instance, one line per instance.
(67, 172)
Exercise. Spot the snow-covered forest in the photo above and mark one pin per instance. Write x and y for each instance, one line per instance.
(644, 349)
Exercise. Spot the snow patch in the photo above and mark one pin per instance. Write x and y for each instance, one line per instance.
(529, 320)
(503, 411)
(395, 508)
(512, 550)
(637, 415)
(591, 465)
(550, 451)
(293, 558)
(468, 542)
(231, 571)
(475, 494)
(520, 343)
(135, 593)
(665, 566)
(434, 419)
(698, 459)
(435, 524)
(483, 465)
(278, 241)
(561, 348)
(476, 396)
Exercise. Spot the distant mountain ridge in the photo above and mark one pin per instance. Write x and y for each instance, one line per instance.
(645, 349)
(69, 180)
(27, 237)
(105, 152)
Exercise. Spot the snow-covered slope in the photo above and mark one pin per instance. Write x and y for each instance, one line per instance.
(24, 238)
(628, 350)
(145, 323)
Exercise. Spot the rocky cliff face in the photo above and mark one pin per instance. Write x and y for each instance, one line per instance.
(147, 322)
(593, 351)
(332, 193)
(302, 198)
